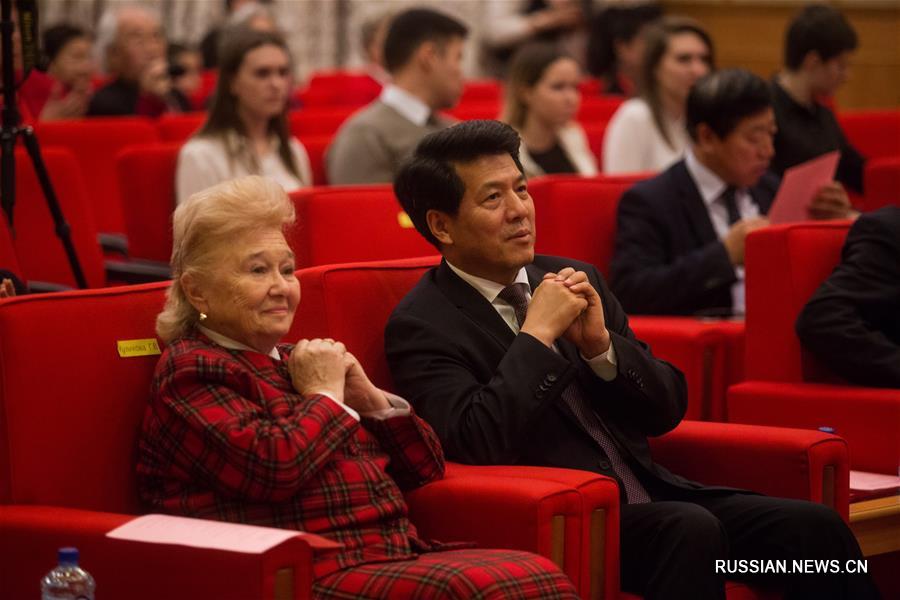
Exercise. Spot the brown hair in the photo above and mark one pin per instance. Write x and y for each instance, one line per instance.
(657, 44)
(527, 67)
(224, 121)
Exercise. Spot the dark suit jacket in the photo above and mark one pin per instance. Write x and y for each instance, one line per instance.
(852, 322)
(668, 258)
(494, 397)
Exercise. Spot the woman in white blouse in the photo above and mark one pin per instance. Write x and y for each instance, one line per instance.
(246, 132)
(647, 133)
(542, 98)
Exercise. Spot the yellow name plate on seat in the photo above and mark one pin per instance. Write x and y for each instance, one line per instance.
(129, 348)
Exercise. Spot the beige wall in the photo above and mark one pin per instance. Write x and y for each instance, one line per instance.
(749, 33)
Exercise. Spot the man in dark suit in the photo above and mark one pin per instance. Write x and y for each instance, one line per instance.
(852, 322)
(521, 359)
(680, 236)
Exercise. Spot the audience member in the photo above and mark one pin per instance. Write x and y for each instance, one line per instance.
(647, 133)
(246, 131)
(241, 428)
(10, 285)
(852, 322)
(423, 53)
(514, 358)
(39, 97)
(679, 245)
(542, 97)
(237, 13)
(67, 50)
(513, 23)
(616, 46)
(185, 69)
(131, 49)
(817, 49)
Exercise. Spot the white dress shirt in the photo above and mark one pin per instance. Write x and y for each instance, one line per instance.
(409, 106)
(711, 187)
(399, 407)
(603, 365)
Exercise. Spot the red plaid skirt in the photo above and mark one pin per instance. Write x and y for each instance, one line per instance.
(451, 575)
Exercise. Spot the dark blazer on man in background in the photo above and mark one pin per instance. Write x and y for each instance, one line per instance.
(494, 397)
(852, 322)
(668, 258)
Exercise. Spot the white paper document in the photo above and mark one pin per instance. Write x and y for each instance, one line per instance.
(800, 185)
(200, 533)
(863, 481)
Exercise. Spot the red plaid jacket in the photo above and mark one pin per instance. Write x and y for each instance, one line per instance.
(226, 437)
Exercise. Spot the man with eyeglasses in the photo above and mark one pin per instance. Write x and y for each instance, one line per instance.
(680, 236)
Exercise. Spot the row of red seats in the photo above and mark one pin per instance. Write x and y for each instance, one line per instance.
(89, 410)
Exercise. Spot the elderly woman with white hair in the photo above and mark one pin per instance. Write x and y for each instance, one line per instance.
(130, 47)
(242, 428)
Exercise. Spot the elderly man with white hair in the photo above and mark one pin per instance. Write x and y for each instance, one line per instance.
(131, 49)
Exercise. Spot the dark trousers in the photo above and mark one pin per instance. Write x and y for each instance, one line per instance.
(669, 548)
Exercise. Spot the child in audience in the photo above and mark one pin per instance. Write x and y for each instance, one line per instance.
(542, 97)
(648, 133)
(246, 131)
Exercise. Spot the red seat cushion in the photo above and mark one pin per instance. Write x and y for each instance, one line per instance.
(882, 183)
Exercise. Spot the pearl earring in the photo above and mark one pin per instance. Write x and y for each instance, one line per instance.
(202, 316)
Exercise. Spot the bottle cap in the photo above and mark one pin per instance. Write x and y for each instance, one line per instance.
(68, 556)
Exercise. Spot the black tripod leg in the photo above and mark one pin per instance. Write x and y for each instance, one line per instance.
(8, 175)
(63, 231)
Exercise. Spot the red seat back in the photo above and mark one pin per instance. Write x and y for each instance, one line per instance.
(318, 121)
(784, 267)
(8, 258)
(882, 183)
(70, 405)
(475, 110)
(352, 223)
(95, 143)
(316, 146)
(875, 133)
(598, 108)
(147, 177)
(352, 303)
(482, 90)
(339, 88)
(178, 128)
(576, 216)
(41, 254)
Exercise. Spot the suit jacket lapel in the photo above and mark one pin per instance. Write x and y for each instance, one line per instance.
(693, 205)
(473, 304)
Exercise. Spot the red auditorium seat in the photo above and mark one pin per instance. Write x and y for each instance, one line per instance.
(881, 183)
(318, 121)
(95, 143)
(598, 108)
(178, 128)
(41, 254)
(352, 302)
(482, 91)
(594, 131)
(471, 111)
(785, 385)
(351, 223)
(316, 146)
(875, 133)
(47, 501)
(576, 217)
(147, 178)
(8, 260)
(338, 88)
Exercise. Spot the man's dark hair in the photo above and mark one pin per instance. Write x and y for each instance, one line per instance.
(817, 28)
(412, 28)
(723, 98)
(56, 38)
(428, 179)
